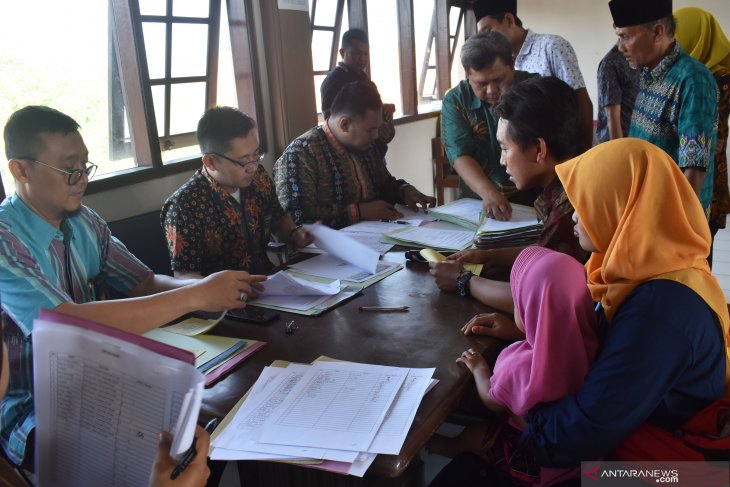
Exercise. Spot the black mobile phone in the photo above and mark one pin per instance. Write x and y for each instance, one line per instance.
(249, 314)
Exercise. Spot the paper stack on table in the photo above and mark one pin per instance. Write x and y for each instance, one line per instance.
(464, 212)
(522, 229)
(337, 414)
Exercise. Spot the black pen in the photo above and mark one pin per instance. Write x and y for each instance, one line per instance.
(399, 222)
(190, 454)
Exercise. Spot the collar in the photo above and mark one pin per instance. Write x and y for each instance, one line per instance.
(472, 100)
(221, 193)
(333, 140)
(527, 44)
(43, 232)
(661, 69)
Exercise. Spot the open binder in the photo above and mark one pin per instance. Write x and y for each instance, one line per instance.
(102, 397)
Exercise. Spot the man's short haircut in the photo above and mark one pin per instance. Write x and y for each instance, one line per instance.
(482, 49)
(354, 35)
(544, 108)
(25, 125)
(500, 18)
(356, 98)
(219, 126)
(669, 22)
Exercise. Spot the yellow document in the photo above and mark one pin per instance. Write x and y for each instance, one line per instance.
(436, 256)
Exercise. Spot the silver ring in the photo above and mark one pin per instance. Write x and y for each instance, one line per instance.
(471, 352)
(243, 297)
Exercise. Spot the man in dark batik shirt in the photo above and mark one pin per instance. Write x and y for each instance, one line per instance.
(224, 216)
(538, 129)
(618, 84)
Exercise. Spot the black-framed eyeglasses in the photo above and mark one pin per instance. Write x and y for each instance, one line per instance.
(249, 162)
(73, 176)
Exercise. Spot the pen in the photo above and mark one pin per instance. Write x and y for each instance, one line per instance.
(190, 454)
(383, 308)
(399, 222)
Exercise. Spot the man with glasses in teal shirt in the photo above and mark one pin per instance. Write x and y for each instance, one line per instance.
(224, 216)
(56, 253)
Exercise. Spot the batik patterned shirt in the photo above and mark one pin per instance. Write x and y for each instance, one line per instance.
(468, 128)
(319, 179)
(618, 84)
(554, 210)
(676, 110)
(34, 275)
(208, 231)
(550, 55)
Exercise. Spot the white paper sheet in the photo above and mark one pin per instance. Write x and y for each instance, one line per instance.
(284, 284)
(340, 245)
(409, 214)
(522, 216)
(326, 265)
(467, 209)
(338, 405)
(435, 238)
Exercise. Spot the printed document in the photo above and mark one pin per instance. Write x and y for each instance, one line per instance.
(340, 245)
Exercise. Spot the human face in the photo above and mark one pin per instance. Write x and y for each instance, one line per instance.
(489, 83)
(44, 187)
(359, 132)
(638, 45)
(356, 56)
(235, 175)
(522, 166)
(580, 232)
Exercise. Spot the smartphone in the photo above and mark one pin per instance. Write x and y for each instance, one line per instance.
(250, 314)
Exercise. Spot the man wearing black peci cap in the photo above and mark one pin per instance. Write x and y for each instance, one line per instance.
(676, 108)
(544, 54)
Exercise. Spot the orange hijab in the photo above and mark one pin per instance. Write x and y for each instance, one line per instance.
(646, 222)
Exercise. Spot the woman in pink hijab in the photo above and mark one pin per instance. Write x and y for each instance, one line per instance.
(556, 312)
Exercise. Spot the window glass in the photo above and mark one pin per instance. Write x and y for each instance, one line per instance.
(153, 7)
(154, 46)
(226, 81)
(158, 100)
(190, 8)
(187, 104)
(326, 11)
(457, 71)
(51, 53)
(422, 18)
(384, 53)
(321, 46)
(189, 50)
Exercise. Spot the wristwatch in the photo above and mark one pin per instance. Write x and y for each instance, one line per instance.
(462, 283)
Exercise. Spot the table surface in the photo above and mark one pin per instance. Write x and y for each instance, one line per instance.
(426, 336)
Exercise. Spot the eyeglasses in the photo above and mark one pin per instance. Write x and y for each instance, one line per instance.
(73, 176)
(253, 161)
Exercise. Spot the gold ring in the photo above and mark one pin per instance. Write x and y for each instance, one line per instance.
(243, 297)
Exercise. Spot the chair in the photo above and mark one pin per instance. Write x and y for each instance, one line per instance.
(443, 175)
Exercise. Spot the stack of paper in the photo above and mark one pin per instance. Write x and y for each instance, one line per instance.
(431, 237)
(464, 212)
(341, 413)
(522, 229)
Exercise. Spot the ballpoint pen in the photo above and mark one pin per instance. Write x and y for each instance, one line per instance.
(190, 454)
(399, 222)
(383, 308)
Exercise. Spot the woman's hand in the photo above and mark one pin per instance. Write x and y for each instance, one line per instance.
(494, 325)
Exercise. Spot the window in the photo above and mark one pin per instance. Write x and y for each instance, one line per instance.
(139, 71)
(328, 24)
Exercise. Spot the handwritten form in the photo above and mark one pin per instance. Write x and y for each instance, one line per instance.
(101, 403)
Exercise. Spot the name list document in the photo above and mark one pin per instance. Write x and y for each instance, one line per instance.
(338, 405)
(101, 403)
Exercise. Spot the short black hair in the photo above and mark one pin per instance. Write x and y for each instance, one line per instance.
(355, 98)
(354, 35)
(669, 22)
(500, 18)
(219, 125)
(482, 49)
(544, 108)
(25, 125)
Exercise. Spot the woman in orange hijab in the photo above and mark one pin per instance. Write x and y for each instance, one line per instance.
(663, 316)
(701, 36)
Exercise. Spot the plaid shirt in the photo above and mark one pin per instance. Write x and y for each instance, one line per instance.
(555, 212)
(208, 231)
(33, 275)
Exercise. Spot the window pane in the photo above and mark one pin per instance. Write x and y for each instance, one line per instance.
(154, 44)
(153, 7)
(62, 62)
(189, 50)
(325, 14)
(457, 71)
(384, 55)
(187, 104)
(158, 99)
(190, 8)
(422, 18)
(321, 48)
(226, 78)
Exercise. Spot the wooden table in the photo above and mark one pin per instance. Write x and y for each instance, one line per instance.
(426, 336)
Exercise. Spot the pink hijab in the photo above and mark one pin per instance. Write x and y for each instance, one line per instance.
(552, 299)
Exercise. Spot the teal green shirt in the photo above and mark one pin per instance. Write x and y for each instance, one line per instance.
(468, 127)
(676, 110)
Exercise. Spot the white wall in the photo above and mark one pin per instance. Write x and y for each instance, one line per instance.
(592, 38)
(409, 154)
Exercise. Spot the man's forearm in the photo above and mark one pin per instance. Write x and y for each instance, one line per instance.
(585, 110)
(613, 119)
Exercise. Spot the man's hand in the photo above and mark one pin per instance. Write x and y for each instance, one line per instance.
(413, 198)
(197, 472)
(301, 237)
(445, 274)
(378, 210)
(494, 325)
(224, 290)
(496, 206)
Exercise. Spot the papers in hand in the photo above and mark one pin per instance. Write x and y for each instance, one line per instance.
(522, 229)
(102, 397)
(434, 256)
(339, 245)
(285, 284)
(329, 266)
